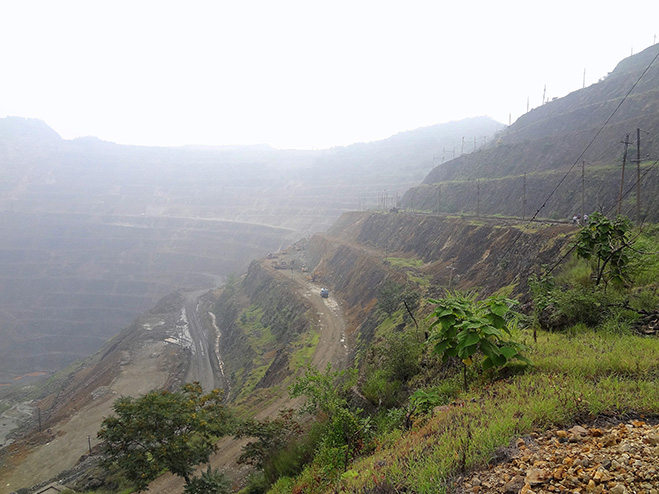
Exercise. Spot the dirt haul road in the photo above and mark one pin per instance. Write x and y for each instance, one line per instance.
(204, 367)
(331, 349)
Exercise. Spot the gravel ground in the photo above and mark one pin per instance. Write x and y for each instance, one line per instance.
(621, 459)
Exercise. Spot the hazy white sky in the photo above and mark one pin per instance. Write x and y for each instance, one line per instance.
(300, 74)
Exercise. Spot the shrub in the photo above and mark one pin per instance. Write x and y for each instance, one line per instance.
(381, 390)
(463, 326)
(212, 481)
(582, 305)
(608, 243)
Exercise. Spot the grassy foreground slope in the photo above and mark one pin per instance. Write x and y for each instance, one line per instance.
(576, 379)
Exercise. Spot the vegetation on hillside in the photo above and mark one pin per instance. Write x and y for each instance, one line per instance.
(447, 382)
(166, 430)
(419, 428)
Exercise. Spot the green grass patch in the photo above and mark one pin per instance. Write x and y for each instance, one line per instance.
(646, 273)
(253, 379)
(411, 266)
(421, 280)
(303, 349)
(574, 379)
(388, 325)
(260, 337)
(403, 262)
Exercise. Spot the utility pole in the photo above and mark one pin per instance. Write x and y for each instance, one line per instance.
(524, 200)
(584, 78)
(583, 190)
(439, 198)
(462, 149)
(622, 179)
(544, 94)
(638, 177)
(450, 274)
(478, 197)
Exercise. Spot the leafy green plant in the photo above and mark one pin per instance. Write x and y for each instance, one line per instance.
(212, 481)
(607, 241)
(463, 327)
(541, 287)
(421, 402)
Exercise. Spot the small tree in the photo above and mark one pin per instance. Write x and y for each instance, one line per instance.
(608, 242)
(327, 393)
(271, 438)
(164, 430)
(464, 326)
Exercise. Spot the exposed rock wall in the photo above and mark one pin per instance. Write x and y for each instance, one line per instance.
(359, 255)
(483, 255)
(284, 313)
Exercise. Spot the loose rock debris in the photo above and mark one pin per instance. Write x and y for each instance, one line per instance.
(619, 460)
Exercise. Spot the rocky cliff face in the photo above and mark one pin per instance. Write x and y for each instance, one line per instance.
(477, 250)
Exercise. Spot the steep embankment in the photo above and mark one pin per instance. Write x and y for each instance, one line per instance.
(476, 251)
(515, 174)
(363, 251)
(273, 323)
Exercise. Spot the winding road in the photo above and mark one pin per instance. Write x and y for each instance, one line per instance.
(204, 366)
(331, 348)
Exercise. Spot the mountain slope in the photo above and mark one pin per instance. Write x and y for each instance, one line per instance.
(587, 126)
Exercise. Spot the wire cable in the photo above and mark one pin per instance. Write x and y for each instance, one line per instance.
(564, 256)
(544, 204)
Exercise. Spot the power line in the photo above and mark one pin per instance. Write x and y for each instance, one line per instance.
(551, 194)
(564, 256)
